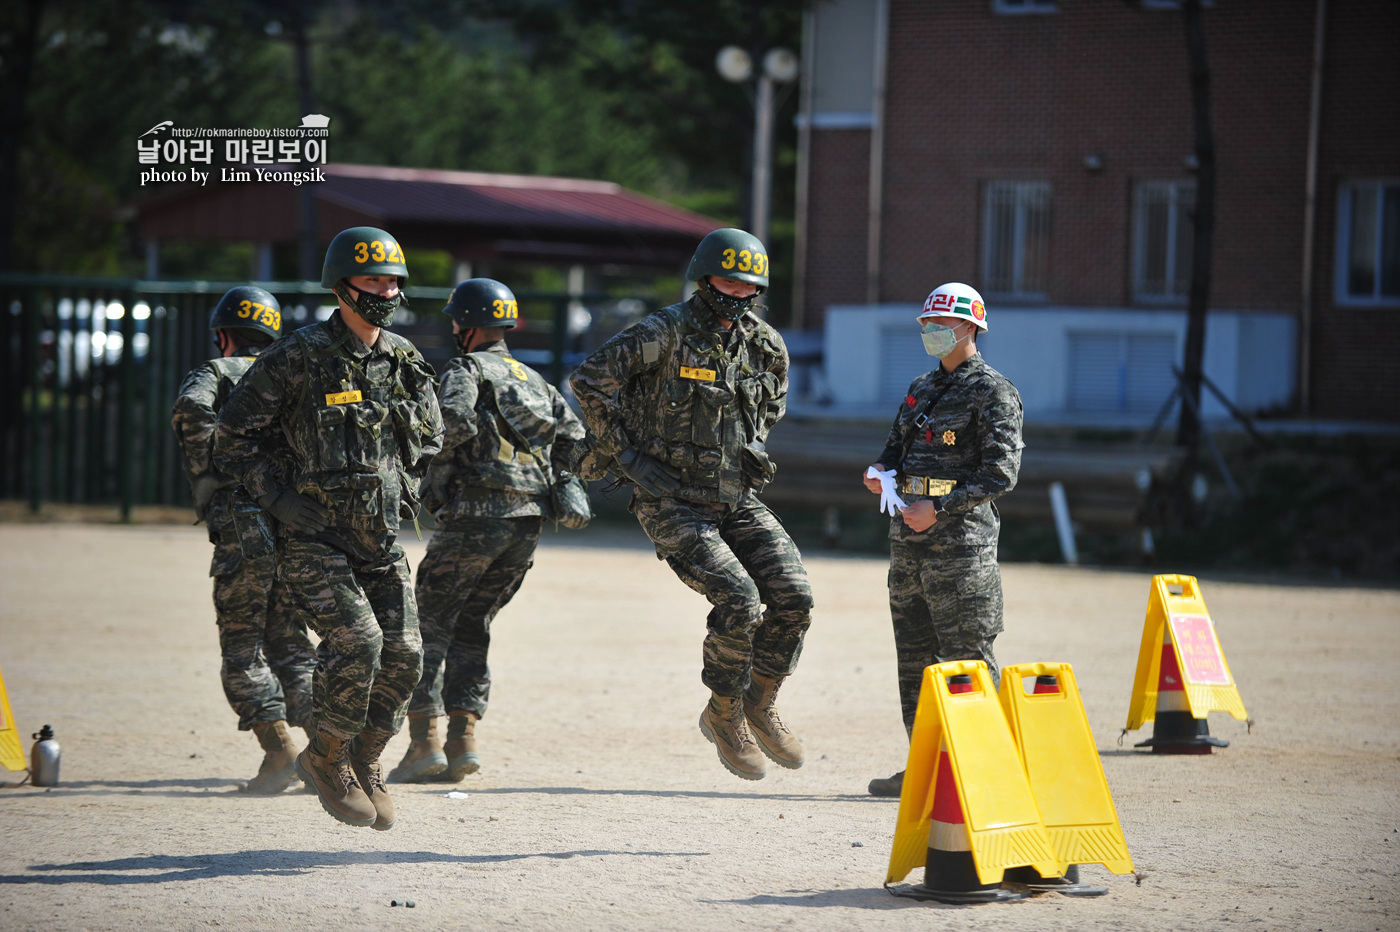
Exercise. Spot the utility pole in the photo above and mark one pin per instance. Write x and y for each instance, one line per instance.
(308, 265)
(780, 66)
(1188, 433)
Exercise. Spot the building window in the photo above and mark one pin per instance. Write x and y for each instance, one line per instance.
(1015, 7)
(1016, 238)
(1163, 236)
(1368, 243)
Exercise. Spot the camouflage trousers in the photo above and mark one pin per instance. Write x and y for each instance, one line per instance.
(944, 607)
(370, 655)
(473, 567)
(267, 655)
(741, 560)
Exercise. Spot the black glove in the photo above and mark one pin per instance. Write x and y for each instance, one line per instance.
(297, 511)
(649, 473)
(758, 467)
(204, 488)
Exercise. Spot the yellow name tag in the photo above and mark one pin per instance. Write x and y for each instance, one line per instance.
(343, 398)
(703, 375)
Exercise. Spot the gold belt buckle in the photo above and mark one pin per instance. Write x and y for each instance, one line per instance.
(923, 485)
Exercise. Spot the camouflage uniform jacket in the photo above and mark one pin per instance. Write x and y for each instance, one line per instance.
(972, 436)
(237, 526)
(678, 386)
(359, 425)
(509, 436)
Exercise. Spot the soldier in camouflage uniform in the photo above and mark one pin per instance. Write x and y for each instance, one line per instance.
(509, 436)
(267, 656)
(351, 407)
(680, 405)
(956, 444)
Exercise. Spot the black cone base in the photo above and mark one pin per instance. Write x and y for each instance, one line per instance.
(1069, 884)
(951, 877)
(1180, 733)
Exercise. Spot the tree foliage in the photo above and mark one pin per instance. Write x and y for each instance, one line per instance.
(622, 90)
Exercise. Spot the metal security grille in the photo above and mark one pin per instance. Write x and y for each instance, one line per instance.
(1162, 240)
(1120, 372)
(1369, 245)
(1016, 238)
(90, 368)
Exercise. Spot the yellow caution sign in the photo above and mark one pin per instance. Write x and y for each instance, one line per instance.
(11, 750)
(1003, 822)
(1177, 616)
(1062, 764)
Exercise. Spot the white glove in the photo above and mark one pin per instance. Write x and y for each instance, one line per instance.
(889, 498)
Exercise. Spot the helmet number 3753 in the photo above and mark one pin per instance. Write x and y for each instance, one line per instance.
(260, 313)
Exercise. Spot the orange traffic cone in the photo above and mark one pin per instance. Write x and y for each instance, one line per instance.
(950, 876)
(1069, 884)
(1174, 729)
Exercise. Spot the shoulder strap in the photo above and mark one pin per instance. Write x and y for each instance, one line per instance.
(917, 422)
(306, 368)
(505, 426)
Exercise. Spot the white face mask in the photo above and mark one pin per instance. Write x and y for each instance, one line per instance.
(939, 340)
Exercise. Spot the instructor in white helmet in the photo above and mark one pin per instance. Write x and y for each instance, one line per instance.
(954, 448)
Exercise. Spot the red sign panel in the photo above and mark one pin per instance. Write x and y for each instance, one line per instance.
(1201, 661)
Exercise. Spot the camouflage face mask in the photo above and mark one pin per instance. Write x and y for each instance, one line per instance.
(726, 306)
(376, 310)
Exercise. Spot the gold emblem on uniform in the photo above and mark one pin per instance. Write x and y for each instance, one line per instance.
(949, 438)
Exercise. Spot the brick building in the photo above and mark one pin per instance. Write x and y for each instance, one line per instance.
(1044, 152)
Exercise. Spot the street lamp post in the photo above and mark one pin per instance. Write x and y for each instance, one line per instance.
(779, 67)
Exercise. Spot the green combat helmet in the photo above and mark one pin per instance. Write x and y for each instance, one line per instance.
(248, 308)
(364, 251)
(729, 253)
(483, 302)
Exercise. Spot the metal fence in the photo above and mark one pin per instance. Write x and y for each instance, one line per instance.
(91, 366)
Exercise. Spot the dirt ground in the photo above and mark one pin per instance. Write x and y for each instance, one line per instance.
(600, 805)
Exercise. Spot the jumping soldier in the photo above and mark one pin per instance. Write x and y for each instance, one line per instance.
(267, 656)
(509, 436)
(351, 406)
(956, 445)
(680, 405)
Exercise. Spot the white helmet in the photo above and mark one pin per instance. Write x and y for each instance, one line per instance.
(956, 300)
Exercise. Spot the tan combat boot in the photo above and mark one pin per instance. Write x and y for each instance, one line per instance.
(325, 767)
(279, 764)
(723, 724)
(460, 748)
(424, 757)
(781, 745)
(364, 760)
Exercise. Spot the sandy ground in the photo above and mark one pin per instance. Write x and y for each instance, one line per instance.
(600, 806)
